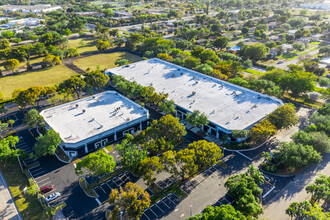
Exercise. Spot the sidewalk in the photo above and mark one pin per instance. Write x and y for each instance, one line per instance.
(8, 208)
(295, 190)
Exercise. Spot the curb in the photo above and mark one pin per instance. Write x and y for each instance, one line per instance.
(277, 175)
(66, 162)
(85, 191)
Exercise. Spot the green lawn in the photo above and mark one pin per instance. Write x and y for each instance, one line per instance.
(105, 61)
(83, 44)
(48, 77)
(28, 206)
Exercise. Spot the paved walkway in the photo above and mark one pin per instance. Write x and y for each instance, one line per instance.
(295, 190)
(8, 209)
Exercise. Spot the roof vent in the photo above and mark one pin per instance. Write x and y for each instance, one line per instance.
(193, 93)
(173, 75)
(93, 96)
(128, 119)
(83, 111)
(77, 105)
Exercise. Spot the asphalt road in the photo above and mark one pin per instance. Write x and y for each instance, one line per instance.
(285, 64)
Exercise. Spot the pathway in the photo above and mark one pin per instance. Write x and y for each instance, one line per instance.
(8, 208)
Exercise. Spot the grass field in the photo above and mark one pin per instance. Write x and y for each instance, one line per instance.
(83, 45)
(105, 61)
(28, 206)
(48, 77)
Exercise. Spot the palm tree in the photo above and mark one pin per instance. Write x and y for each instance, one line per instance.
(256, 174)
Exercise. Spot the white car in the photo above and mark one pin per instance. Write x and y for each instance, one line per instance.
(280, 62)
(52, 196)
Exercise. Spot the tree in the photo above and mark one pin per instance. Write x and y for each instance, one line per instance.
(168, 107)
(245, 30)
(256, 174)
(325, 50)
(221, 42)
(32, 118)
(8, 153)
(147, 167)
(102, 45)
(197, 119)
(319, 140)
(222, 212)
(47, 144)
(167, 127)
(206, 153)
(320, 189)
(255, 51)
(246, 192)
(295, 156)
(263, 129)
(11, 64)
(75, 84)
(121, 62)
(299, 46)
(66, 32)
(284, 116)
(97, 79)
(4, 44)
(131, 153)
(131, 199)
(51, 60)
(98, 164)
(7, 34)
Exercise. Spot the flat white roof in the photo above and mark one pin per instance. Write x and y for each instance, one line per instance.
(78, 120)
(230, 106)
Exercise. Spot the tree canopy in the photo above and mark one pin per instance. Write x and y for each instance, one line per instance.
(98, 164)
(47, 144)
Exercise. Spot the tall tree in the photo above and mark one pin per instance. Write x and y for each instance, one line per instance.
(147, 167)
(75, 84)
(11, 64)
(131, 199)
(320, 189)
(97, 79)
(197, 119)
(98, 164)
(222, 212)
(47, 144)
(32, 118)
(263, 129)
(284, 116)
(221, 42)
(8, 153)
(206, 153)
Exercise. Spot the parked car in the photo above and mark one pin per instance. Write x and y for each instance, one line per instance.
(52, 196)
(280, 62)
(46, 189)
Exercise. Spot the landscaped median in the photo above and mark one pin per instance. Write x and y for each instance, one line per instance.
(88, 190)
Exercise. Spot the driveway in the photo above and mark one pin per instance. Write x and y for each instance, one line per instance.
(295, 190)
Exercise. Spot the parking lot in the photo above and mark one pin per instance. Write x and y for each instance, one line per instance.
(103, 190)
(192, 184)
(161, 208)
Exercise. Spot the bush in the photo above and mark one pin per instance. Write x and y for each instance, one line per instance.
(269, 167)
(247, 63)
(324, 81)
(269, 68)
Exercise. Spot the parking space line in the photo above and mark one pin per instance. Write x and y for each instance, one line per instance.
(108, 185)
(165, 204)
(44, 184)
(153, 211)
(31, 132)
(36, 170)
(266, 194)
(38, 173)
(146, 216)
(171, 200)
(98, 201)
(159, 208)
(102, 189)
(243, 155)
